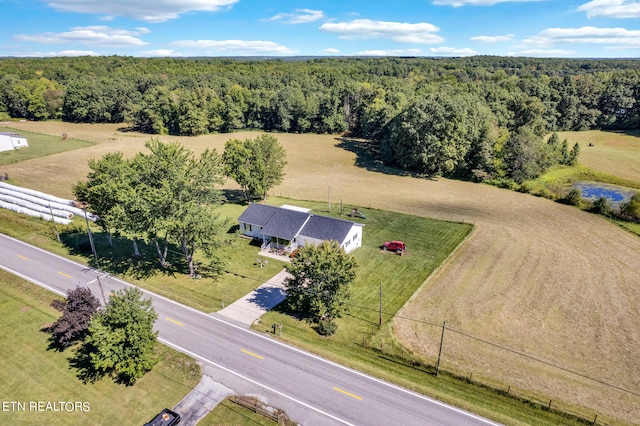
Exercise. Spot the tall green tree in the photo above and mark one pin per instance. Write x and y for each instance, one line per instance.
(257, 165)
(320, 282)
(104, 188)
(434, 134)
(121, 341)
(177, 195)
(525, 155)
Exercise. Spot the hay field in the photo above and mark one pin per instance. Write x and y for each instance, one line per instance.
(617, 154)
(539, 277)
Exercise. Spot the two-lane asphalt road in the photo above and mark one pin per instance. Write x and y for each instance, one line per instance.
(322, 391)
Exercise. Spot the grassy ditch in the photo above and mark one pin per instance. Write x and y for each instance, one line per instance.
(31, 373)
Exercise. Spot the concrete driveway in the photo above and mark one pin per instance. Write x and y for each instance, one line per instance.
(249, 308)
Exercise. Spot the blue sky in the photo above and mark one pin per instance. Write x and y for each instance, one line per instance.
(541, 28)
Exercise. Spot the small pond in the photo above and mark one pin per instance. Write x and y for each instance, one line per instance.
(594, 190)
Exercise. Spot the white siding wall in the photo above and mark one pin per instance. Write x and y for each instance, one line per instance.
(354, 239)
(5, 143)
(251, 230)
(303, 241)
(19, 142)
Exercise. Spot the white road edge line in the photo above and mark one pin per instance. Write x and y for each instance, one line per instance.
(268, 339)
(194, 355)
(31, 280)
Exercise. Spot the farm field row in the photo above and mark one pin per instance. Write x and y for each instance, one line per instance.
(536, 276)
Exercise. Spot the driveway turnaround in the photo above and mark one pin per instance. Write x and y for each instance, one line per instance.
(251, 307)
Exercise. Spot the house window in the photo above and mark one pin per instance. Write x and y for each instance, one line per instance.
(355, 237)
(247, 226)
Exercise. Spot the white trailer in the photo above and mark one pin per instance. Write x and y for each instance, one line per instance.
(9, 141)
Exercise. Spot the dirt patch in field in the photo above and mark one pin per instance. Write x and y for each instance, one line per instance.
(536, 277)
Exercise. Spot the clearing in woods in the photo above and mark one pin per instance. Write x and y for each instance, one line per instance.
(536, 276)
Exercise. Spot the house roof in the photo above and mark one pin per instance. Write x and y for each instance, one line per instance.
(327, 228)
(287, 224)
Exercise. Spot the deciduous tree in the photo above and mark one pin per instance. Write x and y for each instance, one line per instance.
(319, 286)
(77, 309)
(121, 341)
(257, 165)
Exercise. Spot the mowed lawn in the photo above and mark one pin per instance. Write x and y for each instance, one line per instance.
(40, 145)
(536, 276)
(31, 373)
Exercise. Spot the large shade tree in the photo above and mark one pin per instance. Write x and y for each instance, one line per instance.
(121, 341)
(167, 196)
(257, 165)
(319, 286)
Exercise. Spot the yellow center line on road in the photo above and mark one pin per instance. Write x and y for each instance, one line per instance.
(251, 353)
(347, 393)
(22, 257)
(64, 275)
(174, 321)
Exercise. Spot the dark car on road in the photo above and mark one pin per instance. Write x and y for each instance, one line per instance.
(165, 417)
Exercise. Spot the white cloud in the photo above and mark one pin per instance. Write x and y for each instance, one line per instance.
(161, 53)
(398, 31)
(300, 16)
(94, 35)
(330, 50)
(458, 3)
(611, 8)
(151, 11)
(238, 47)
(492, 39)
(543, 53)
(453, 51)
(60, 53)
(392, 52)
(586, 35)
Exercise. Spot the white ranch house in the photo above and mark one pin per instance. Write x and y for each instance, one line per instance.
(9, 141)
(287, 228)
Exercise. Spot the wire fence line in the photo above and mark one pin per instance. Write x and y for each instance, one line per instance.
(391, 316)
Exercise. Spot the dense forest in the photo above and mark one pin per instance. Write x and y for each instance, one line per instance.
(482, 117)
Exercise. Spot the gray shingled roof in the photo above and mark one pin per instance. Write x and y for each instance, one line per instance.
(258, 214)
(326, 228)
(286, 224)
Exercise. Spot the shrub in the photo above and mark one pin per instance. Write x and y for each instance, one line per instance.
(326, 327)
(573, 198)
(602, 206)
(631, 209)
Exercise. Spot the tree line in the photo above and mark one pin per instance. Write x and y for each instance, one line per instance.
(482, 117)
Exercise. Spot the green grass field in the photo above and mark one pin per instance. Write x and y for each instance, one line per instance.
(534, 275)
(31, 373)
(39, 146)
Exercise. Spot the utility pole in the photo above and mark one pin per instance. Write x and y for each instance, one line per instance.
(55, 229)
(93, 247)
(380, 323)
(104, 299)
(444, 325)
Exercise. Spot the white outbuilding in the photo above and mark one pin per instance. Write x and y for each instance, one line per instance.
(9, 141)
